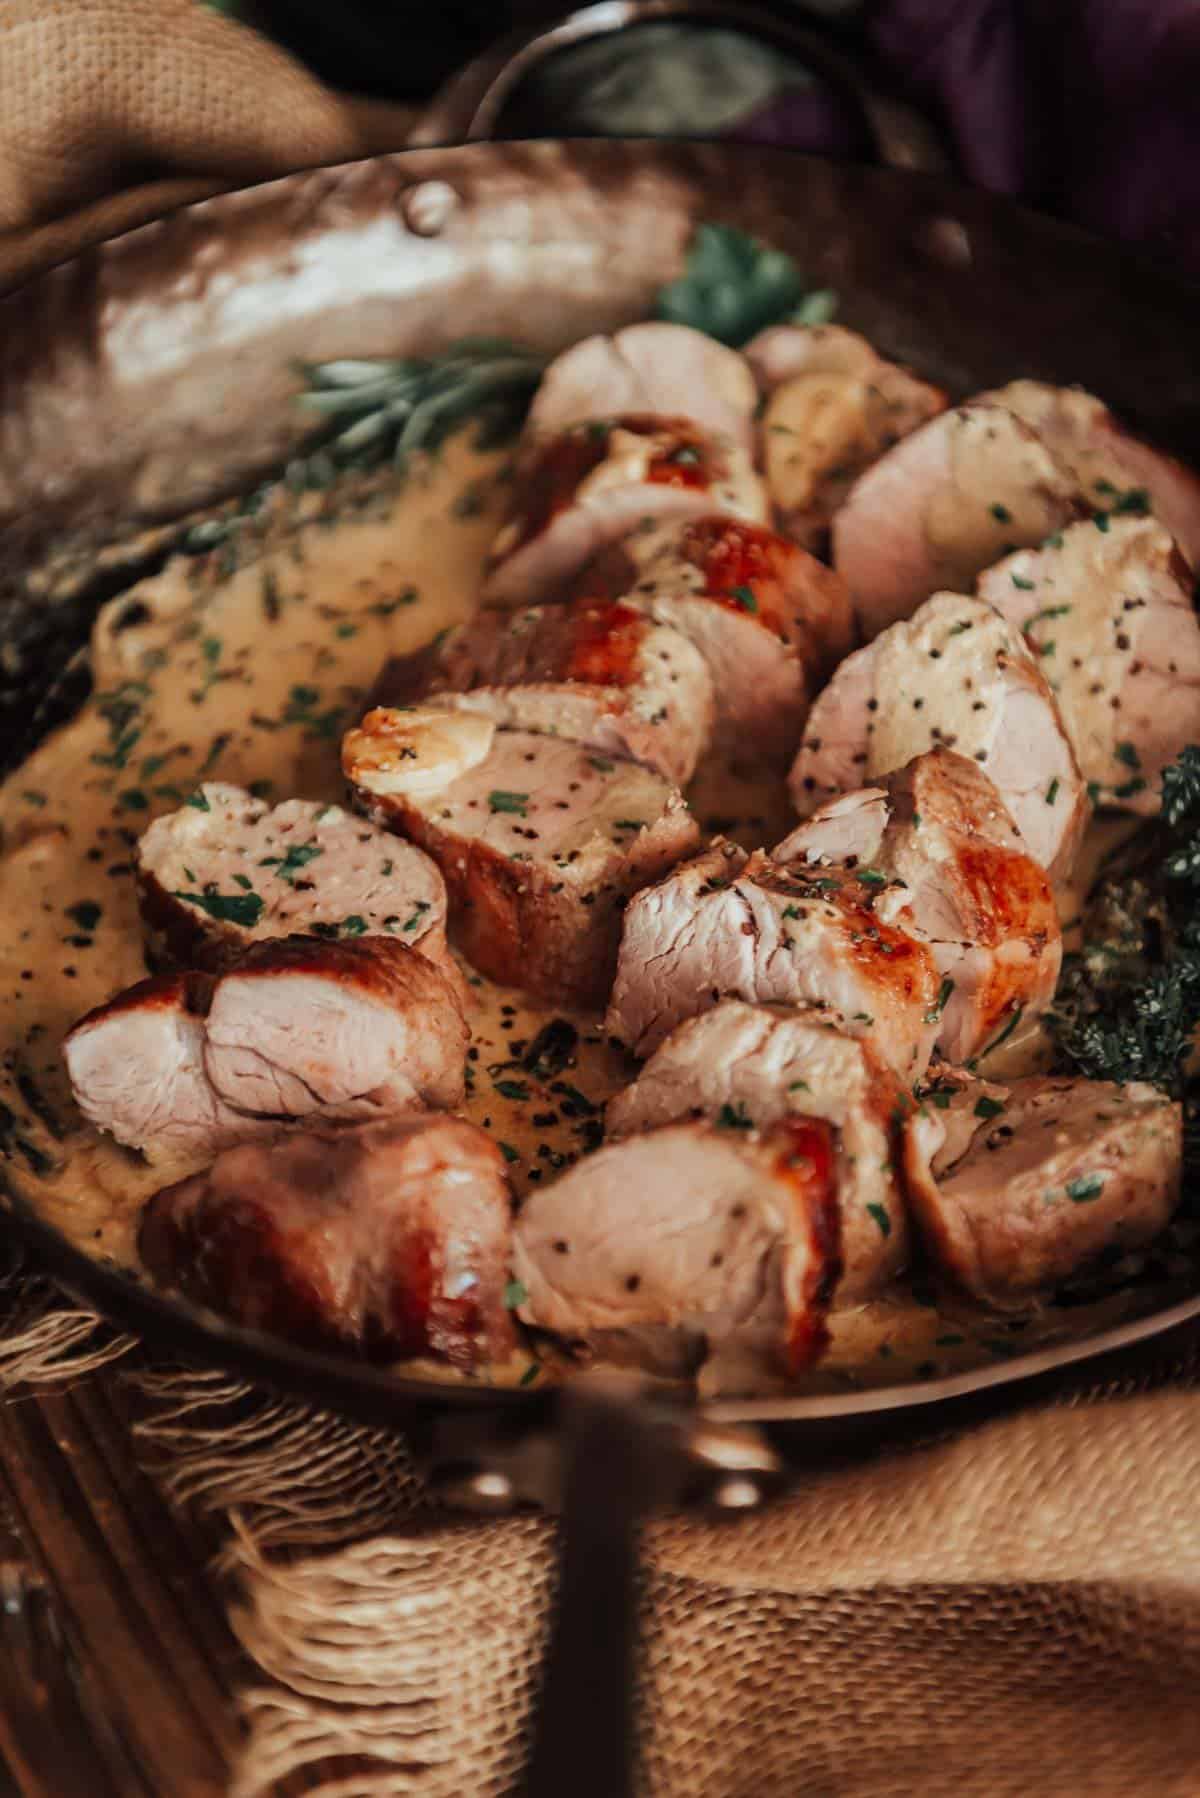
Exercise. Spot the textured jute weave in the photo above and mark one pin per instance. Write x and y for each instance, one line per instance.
(1014, 1610)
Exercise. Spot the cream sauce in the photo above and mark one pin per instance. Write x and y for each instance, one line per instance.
(245, 664)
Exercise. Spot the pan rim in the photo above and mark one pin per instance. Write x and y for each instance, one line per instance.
(386, 1396)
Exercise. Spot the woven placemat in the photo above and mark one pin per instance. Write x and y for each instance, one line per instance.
(1010, 1609)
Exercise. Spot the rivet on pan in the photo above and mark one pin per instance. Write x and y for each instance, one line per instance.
(736, 1492)
(728, 1449)
(944, 241)
(483, 1489)
(428, 207)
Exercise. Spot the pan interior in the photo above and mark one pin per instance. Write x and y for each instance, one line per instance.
(242, 662)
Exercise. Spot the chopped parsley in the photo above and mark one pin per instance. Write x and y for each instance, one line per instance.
(1022, 585)
(734, 1117)
(507, 1150)
(601, 764)
(501, 801)
(512, 1089)
(940, 1003)
(873, 877)
(799, 1086)
(1000, 513)
(1085, 1188)
(744, 597)
(792, 911)
(882, 1218)
(514, 1294)
(288, 865)
(988, 1108)
(227, 908)
(1052, 791)
(1125, 752)
(132, 799)
(422, 906)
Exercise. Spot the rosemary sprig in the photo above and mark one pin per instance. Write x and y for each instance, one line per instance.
(393, 409)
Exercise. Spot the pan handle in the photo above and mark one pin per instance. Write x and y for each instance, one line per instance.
(469, 106)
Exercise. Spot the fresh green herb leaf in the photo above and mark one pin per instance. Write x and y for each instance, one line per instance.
(733, 286)
(1023, 586)
(940, 1003)
(882, 1217)
(988, 1108)
(241, 880)
(288, 865)
(1052, 791)
(516, 1090)
(507, 1150)
(501, 801)
(514, 1294)
(227, 908)
(198, 800)
(1085, 1188)
(734, 1117)
(745, 598)
(872, 876)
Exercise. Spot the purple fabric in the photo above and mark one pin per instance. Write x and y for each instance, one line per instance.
(1086, 108)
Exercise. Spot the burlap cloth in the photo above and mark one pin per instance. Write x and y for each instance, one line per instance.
(1015, 1609)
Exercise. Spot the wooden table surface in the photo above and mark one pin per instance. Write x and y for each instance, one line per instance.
(117, 1666)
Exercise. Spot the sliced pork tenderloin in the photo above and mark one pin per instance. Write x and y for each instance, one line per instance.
(945, 503)
(1114, 468)
(385, 1242)
(690, 1244)
(576, 493)
(227, 870)
(658, 368)
(769, 619)
(1055, 1172)
(959, 676)
(749, 1066)
(967, 886)
(136, 1067)
(832, 407)
(1107, 607)
(541, 842)
(732, 925)
(295, 1029)
(594, 672)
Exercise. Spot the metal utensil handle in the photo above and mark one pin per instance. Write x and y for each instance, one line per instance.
(469, 106)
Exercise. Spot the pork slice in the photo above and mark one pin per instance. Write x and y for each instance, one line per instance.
(385, 1242)
(594, 672)
(689, 1243)
(227, 870)
(968, 887)
(976, 896)
(728, 925)
(749, 1066)
(769, 619)
(136, 1067)
(574, 494)
(1107, 606)
(541, 845)
(1055, 1173)
(833, 407)
(847, 829)
(1112, 466)
(348, 1029)
(186, 1064)
(955, 675)
(946, 502)
(659, 368)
